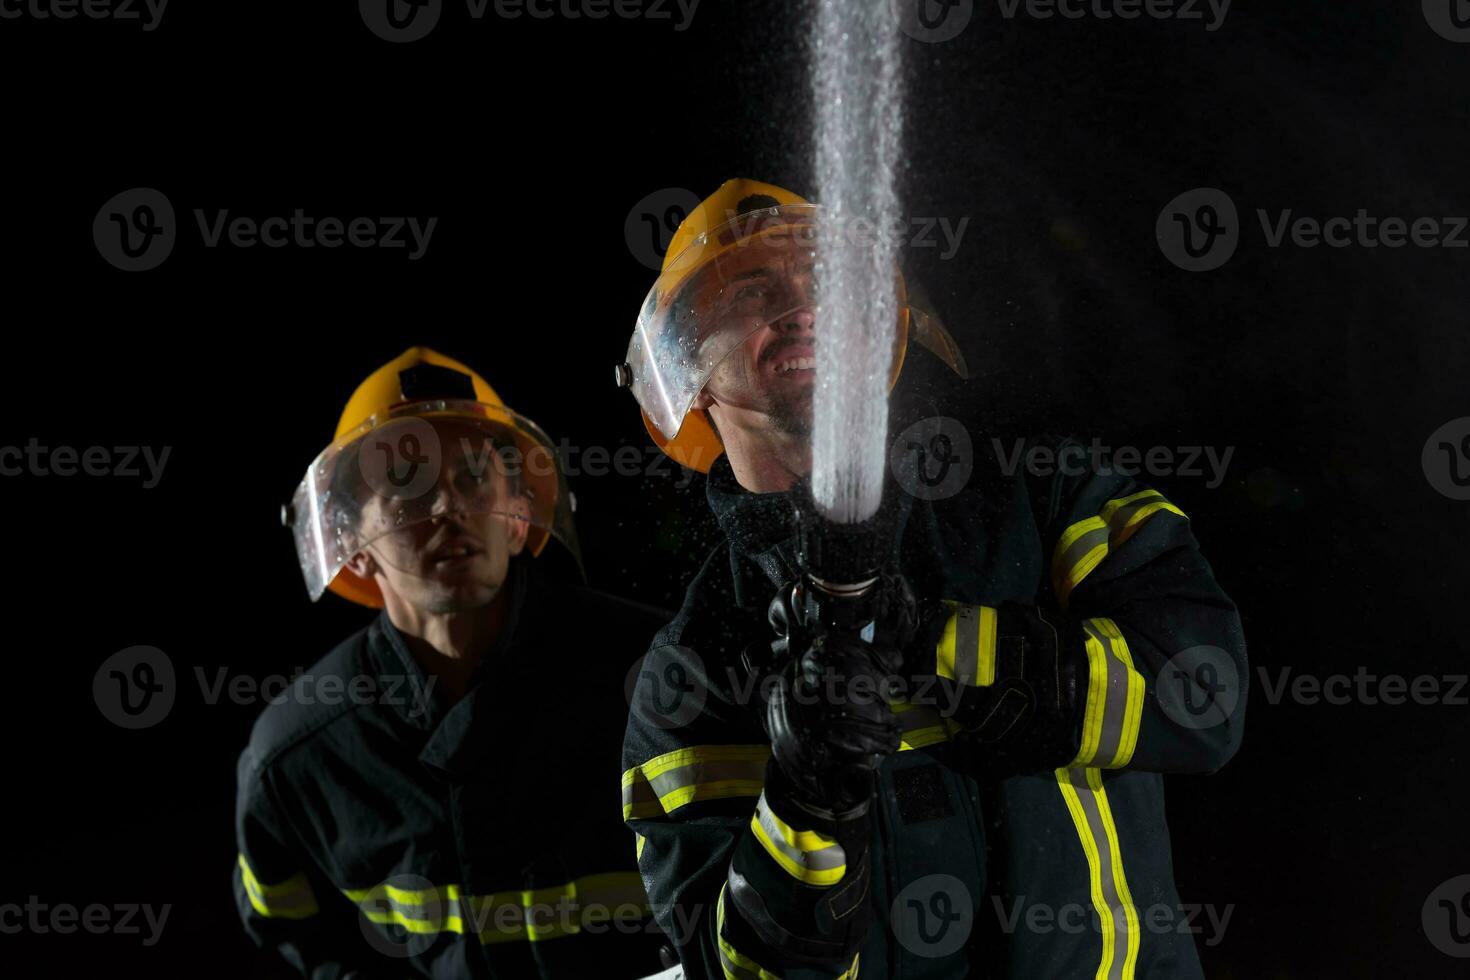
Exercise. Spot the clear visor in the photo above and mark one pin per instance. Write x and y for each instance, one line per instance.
(434, 487)
(751, 272)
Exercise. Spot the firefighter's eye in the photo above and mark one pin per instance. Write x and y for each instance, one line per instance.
(468, 479)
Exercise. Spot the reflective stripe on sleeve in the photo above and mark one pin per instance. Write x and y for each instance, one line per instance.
(667, 782)
(922, 726)
(291, 899)
(737, 966)
(1115, 690)
(966, 650)
(533, 915)
(1085, 544)
(809, 857)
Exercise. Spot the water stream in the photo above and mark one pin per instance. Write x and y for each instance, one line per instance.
(856, 76)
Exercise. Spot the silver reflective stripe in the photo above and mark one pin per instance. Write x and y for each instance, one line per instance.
(1085, 544)
(822, 865)
(967, 645)
(1067, 571)
(1110, 890)
(702, 772)
(1116, 704)
(291, 899)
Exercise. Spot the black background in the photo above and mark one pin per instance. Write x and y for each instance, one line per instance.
(531, 141)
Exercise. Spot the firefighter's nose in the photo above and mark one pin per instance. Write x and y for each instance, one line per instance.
(798, 320)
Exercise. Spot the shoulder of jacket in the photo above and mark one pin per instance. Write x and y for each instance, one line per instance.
(297, 716)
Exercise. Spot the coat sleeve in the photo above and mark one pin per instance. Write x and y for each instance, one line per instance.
(740, 891)
(284, 902)
(1154, 637)
(1165, 649)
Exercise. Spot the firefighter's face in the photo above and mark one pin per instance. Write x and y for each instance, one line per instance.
(458, 558)
(772, 373)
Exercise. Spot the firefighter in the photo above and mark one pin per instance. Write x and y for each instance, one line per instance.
(407, 808)
(1013, 758)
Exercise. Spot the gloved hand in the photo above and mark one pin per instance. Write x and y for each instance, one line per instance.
(1028, 715)
(830, 725)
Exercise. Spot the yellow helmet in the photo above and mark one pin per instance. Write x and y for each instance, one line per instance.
(670, 358)
(397, 404)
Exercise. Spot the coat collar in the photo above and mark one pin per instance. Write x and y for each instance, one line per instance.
(450, 745)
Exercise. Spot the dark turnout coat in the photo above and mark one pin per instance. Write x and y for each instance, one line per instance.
(385, 833)
(1059, 873)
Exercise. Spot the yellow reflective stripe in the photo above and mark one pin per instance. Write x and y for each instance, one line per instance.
(921, 726)
(1087, 802)
(514, 913)
(985, 675)
(1127, 514)
(965, 652)
(667, 782)
(641, 841)
(734, 964)
(1084, 545)
(291, 899)
(809, 857)
(1097, 693)
(420, 911)
(737, 966)
(944, 652)
(1113, 711)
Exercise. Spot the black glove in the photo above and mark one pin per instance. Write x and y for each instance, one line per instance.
(1029, 719)
(830, 725)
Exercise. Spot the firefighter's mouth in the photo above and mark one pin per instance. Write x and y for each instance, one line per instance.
(459, 552)
(794, 361)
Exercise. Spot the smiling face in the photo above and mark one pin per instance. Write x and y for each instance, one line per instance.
(458, 557)
(771, 374)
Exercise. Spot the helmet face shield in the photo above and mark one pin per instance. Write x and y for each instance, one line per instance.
(431, 490)
(751, 272)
